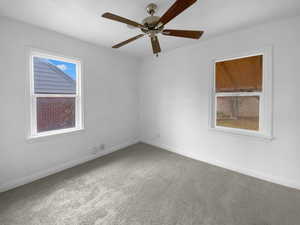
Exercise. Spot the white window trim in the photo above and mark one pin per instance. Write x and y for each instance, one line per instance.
(265, 107)
(33, 134)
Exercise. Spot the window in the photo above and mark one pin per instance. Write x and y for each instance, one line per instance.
(242, 94)
(55, 95)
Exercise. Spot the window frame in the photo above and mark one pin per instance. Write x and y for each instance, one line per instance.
(33, 133)
(265, 102)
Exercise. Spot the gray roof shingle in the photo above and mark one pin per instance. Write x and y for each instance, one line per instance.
(48, 79)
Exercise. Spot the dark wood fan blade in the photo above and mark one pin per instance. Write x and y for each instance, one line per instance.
(184, 33)
(155, 45)
(127, 41)
(178, 7)
(121, 19)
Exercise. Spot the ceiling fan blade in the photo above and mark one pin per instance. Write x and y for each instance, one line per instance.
(127, 41)
(114, 17)
(184, 33)
(178, 7)
(155, 45)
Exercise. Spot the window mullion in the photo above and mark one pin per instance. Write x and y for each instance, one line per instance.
(224, 94)
(55, 96)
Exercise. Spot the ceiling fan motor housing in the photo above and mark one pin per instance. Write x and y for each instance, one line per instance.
(150, 26)
(151, 21)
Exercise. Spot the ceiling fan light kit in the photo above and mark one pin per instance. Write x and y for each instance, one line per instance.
(154, 25)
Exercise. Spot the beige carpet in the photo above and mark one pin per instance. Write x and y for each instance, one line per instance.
(143, 185)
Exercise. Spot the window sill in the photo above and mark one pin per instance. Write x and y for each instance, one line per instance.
(242, 132)
(52, 134)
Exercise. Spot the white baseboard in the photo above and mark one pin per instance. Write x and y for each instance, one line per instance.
(64, 166)
(70, 164)
(258, 175)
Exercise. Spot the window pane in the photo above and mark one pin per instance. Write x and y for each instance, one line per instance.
(54, 76)
(238, 112)
(240, 75)
(55, 113)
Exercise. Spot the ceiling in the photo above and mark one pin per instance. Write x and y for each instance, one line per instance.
(82, 18)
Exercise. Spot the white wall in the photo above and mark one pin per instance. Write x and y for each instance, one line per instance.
(174, 104)
(111, 104)
(173, 92)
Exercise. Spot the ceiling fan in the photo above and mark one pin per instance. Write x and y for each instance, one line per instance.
(154, 25)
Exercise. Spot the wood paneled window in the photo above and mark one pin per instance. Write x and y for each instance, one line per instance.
(241, 95)
(55, 95)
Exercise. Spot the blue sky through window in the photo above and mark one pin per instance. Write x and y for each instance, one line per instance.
(66, 67)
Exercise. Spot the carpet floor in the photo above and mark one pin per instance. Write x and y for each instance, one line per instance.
(144, 185)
